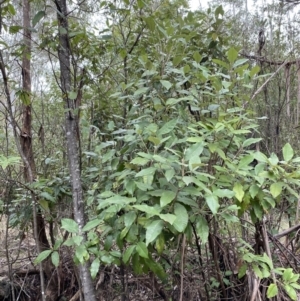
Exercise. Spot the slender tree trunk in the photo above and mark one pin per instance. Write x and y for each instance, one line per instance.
(71, 128)
(26, 141)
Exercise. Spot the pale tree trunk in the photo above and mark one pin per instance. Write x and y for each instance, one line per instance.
(298, 93)
(26, 144)
(287, 85)
(71, 128)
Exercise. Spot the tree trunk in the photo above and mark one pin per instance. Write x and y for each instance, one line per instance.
(71, 128)
(26, 142)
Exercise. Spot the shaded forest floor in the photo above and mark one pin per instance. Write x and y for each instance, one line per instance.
(199, 280)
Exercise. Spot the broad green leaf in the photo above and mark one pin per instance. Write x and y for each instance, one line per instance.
(239, 62)
(288, 274)
(146, 172)
(47, 196)
(115, 200)
(127, 254)
(290, 291)
(38, 17)
(95, 268)
(245, 161)
(166, 84)
(81, 253)
(221, 63)
(42, 256)
(254, 71)
(11, 9)
(224, 193)
(232, 55)
(150, 23)
(69, 225)
(169, 174)
(272, 290)
(177, 60)
(287, 152)
(15, 29)
(182, 218)
(251, 141)
(202, 229)
(197, 57)
(129, 218)
(257, 271)
(276, 189)
(153, 230)
(169, 218)
(254, 189)
(140, 161)
(45, 205)
(156, 141)
(142, 249)
(167, 127)
(212, 202)
(239, 191)
(140, 91)
(92, 224)
(167, 197)
(72, 95)
(55, 258)
(147, 209)
(160, 244)
(156, 268)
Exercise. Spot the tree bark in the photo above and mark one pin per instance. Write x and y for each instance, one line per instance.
(26, 143)
(71, 128)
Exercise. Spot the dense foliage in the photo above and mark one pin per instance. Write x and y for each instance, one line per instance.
(180, 182)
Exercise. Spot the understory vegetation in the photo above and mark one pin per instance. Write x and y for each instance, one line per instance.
(149, 152)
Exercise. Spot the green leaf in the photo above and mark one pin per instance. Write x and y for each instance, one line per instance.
(212, 202)
(92, 224)
(254, 71)
(169, 174)
(142, 249)
(202, 229)
(47, 196)
(288, 274)
(177, 60)
(276, 189)
(232, 55)
(11, 9)
(140, 161)
(167, 197)
(167, 127)
(169, 218)
(153, 230)
(81, 253)
(272, 290)
(182, 217)
(140, 91)
(95, 268)
(55, 258)
(127, 254)
(14, 29)
(69, 225)
(42, 256)
(146, 172)
(197, 57)
(287, 152)
(147, 209)
(166, 84)
(290, 291)
(251, 141)
(38, 17)
(129, 218)
(239, 191)
(239, 62)
(150, 23)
